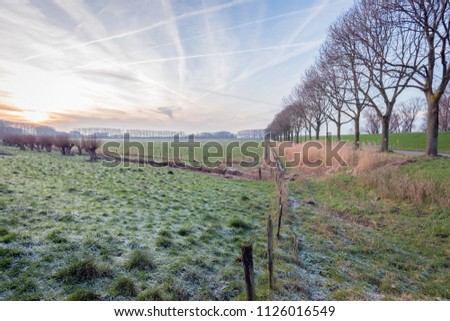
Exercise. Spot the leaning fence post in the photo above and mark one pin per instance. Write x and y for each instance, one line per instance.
(247, 259)
(280, 213)
(270, 250)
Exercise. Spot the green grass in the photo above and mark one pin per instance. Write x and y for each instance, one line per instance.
(201, 154)
(405, 141)
(364, 246)
(432, 170)
(71, 229)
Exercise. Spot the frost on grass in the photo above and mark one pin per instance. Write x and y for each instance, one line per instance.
(85, 234)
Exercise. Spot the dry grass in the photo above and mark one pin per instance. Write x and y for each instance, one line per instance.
(373, 169)
(369, 158)
(390, 183)
(312, 159)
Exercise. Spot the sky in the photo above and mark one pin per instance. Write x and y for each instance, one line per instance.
(159, 64)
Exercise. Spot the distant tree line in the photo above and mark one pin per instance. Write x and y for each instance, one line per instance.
(372, 54)
(251, 134)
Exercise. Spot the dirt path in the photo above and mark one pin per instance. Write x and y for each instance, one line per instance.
(417, 153)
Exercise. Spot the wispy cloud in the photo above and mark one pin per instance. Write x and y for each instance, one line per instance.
(137, 31)
(205, 55)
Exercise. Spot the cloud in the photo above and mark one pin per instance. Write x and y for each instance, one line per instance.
(169, 110)
(240, 98)
(9, 108)
(112, 74)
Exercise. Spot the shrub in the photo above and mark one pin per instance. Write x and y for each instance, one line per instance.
(91, 144)
(45, 142)
(64, 143)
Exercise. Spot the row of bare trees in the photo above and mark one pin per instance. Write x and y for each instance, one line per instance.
(373, 53)
(119, 133)
(63, 142)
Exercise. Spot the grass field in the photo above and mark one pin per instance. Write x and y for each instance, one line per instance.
(405, 141)
(75, 230)
(71, 229)
(226, 149)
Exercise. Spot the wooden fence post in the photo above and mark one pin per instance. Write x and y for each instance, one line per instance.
(247, 259)
(270, 250)
(280, 213)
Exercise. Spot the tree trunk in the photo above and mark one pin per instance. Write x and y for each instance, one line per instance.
(432, 125)
(92, 155)
(338, 126)
(385, 133)
(357, 131)
(318, 131)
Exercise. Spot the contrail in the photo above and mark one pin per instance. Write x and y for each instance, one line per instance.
(153, 26)
(216, 54)
(313, 13)
(307, 46)
(283, 15)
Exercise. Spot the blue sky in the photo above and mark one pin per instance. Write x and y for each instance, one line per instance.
(181, 65)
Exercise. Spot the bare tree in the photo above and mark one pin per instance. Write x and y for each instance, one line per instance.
(295, 114)
(46, 141)
(30, 140)
(91, 144)
(372, 122)
(378, 41)
(395, 123)
(426, 23)
(333, 87)
(310, 95)
(339, 50)
(64, 143)
(408, 112)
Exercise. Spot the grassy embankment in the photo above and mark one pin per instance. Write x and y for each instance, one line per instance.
(382, 233)
(405, 141)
